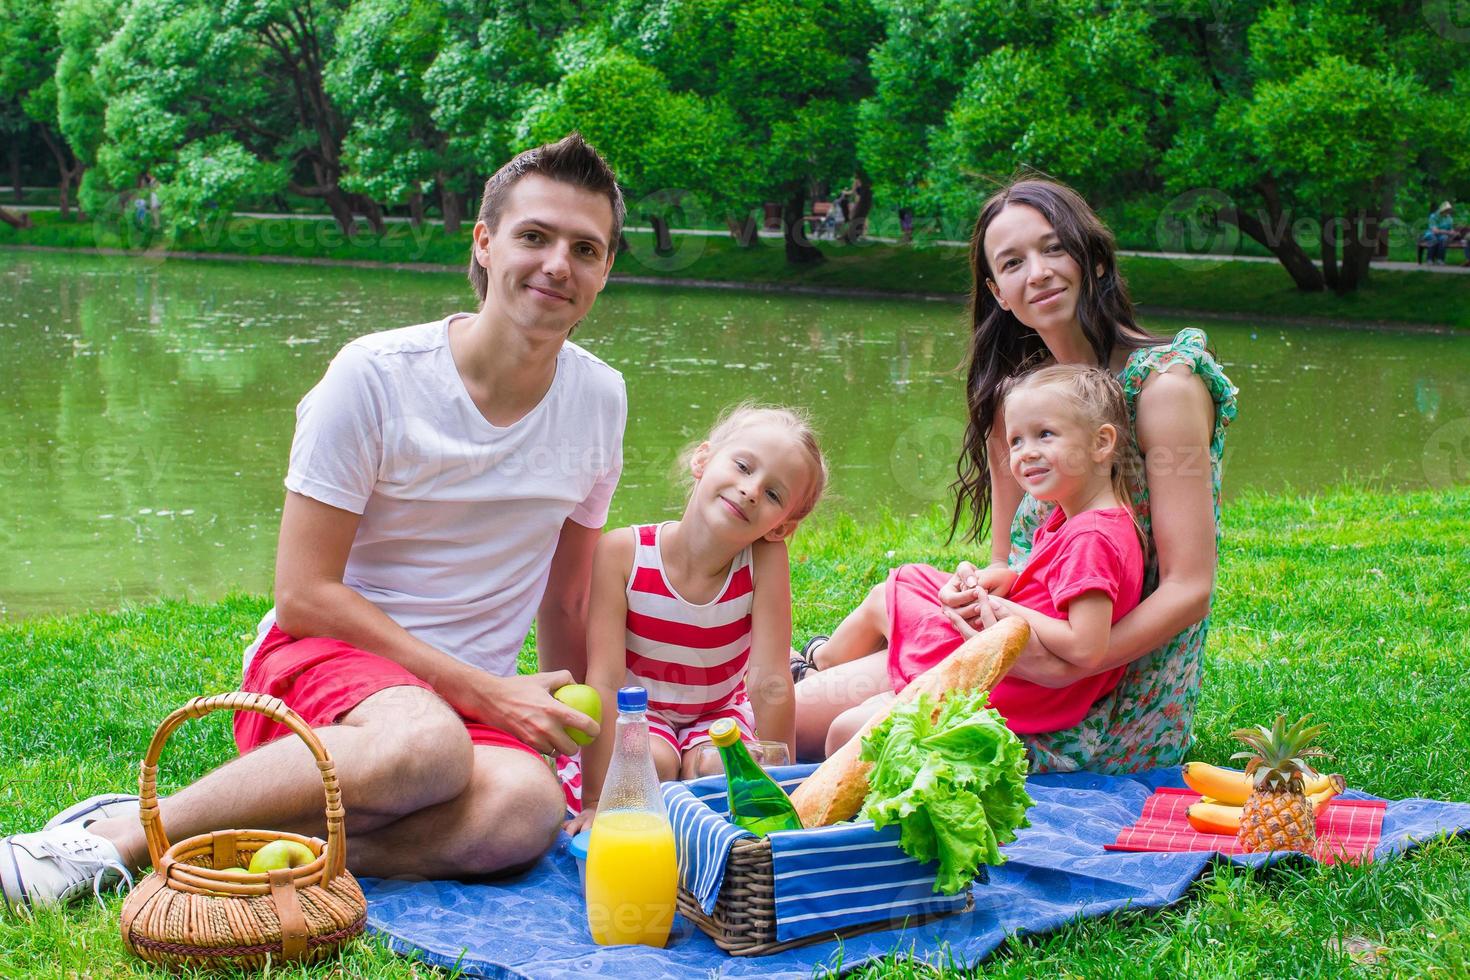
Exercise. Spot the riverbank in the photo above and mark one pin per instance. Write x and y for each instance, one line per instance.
(1191, 286)
(1348, 605)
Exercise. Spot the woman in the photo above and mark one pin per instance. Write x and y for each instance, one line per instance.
(1047, 290)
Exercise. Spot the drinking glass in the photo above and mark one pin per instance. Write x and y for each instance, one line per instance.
(765, 752)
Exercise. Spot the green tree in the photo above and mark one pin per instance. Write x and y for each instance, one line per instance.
(221, 99)
(493, 55)
(1315, 118)
(392, 148)
(1299, 124)
(83, 26)
(967, 94)
(791, 71)
(927, 47)
(674, 153)
(15, 127)
(28, 51)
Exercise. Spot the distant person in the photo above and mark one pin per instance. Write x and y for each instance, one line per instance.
(447, 484)
(857, 219)
(146, 205)
(1437, 236)
(906, 225)
(833, 219)
(698, 610)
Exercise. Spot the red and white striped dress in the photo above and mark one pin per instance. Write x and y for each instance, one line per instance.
(691, 658)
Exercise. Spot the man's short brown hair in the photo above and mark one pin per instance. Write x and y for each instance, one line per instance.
(571, 160)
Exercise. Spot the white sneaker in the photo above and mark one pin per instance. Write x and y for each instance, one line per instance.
(53, 867)
(104, 806)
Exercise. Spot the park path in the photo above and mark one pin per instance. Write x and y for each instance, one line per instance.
(1395, 266)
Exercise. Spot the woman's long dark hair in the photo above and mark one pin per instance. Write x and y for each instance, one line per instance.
(1001, 346)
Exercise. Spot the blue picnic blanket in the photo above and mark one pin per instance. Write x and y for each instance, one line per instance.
(534, 926)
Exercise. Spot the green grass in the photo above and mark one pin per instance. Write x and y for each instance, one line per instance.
(1235, 288)
(1351, 605)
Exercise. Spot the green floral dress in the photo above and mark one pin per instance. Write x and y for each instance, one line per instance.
(1145, 722)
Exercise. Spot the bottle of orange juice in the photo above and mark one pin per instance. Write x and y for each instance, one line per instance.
(632, 877)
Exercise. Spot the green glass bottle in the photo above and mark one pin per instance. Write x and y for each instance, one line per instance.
(756, 802)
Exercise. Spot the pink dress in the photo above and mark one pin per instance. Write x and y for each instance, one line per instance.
(690, 657)
(1098, 550)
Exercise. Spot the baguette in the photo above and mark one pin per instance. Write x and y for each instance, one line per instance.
(835, 791)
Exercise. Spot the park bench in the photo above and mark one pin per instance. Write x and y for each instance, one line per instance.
(1457, 240)
(811, 222)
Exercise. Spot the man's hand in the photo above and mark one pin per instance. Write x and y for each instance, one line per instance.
(582, 820)
(523, 707)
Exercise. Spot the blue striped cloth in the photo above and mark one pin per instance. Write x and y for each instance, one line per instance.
(826, 878)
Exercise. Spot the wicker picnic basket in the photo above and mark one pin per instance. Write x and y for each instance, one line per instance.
(743, 922)
(187, 913)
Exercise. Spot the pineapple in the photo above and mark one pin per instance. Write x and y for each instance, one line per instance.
(1277, 815)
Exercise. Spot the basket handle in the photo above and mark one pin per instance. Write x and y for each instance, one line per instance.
(274, 709)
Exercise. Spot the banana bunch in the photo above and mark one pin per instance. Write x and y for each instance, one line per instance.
(1224, 791)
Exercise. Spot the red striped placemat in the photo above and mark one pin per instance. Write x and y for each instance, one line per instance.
(1347, 830)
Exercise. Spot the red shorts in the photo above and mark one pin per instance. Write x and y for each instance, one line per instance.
(322, 679)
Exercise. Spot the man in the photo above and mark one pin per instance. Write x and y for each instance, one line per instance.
(1437, 237)
(447, 483)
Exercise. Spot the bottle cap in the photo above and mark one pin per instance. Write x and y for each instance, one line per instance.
(632, 699)
(724, 732)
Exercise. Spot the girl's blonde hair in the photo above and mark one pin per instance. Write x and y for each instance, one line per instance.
(1096, 398)
(739, 417)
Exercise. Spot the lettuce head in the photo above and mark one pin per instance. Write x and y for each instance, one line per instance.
(955, 783)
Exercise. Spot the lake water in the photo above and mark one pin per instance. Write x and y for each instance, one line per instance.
(147, 407)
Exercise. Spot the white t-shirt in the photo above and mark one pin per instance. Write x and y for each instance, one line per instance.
(460, 518)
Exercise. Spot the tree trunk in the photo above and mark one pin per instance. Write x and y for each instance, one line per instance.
(799, 250)
(69, 179)
(745, 230)
(451, 203)
(340, 206)
(21, 220)
(663, 242)
(369, 209)
(15, 172)
(67, 165)
(416, 209)
(1277, 238)
(1357, 251)
(1328, 237)
(857, 221)
(293, 36)
(1298, 264)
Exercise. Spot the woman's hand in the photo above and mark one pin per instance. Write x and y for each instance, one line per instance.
(582, 820)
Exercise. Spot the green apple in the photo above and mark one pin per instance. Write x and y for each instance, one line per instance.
(232, 868)
(280, 854)
(583, 698)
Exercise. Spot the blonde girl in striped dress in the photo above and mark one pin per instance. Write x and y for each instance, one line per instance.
(698, 610)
